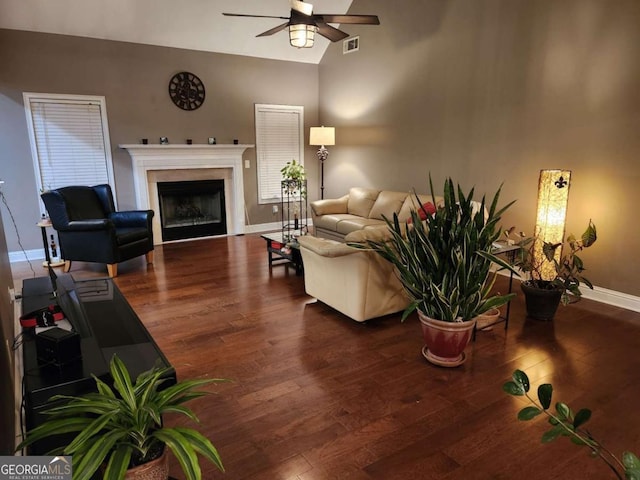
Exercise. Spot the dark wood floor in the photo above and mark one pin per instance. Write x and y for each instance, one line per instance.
(316, 395)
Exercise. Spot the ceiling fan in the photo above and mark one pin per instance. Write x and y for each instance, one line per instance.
(303, 24)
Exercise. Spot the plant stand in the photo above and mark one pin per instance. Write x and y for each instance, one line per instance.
(293, 208)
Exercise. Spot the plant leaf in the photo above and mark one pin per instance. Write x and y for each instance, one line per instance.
(521, 379)
(551, 435)
(582, 417)
(545, 392)
(529, 413)
(564, 412)
(202, 445)
(119, 462)
(513, 389)
(182, 450)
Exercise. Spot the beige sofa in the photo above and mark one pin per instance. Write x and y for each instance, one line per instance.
(358, 283)
(362, 209)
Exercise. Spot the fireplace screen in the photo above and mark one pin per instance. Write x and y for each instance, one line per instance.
(192, 209)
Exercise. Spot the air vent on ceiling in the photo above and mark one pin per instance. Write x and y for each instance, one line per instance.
(351, 45)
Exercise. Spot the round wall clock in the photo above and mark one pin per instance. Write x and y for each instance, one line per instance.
(186, 90)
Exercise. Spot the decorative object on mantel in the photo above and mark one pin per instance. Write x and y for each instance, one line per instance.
(164, 141)
(145, 141)
(189, 141)
(186, 90)
(322, 136)
(212, 140)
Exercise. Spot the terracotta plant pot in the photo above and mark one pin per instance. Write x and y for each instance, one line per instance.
(487, 319)
(157, 469)
(541, 303)
(445, 341)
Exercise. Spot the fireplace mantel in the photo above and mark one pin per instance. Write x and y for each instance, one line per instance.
(151, 159)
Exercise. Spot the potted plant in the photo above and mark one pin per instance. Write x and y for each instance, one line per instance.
(444, 264)
(565, 423)
(293, 177)
(294, 189)
(120, 429)
(544, 295)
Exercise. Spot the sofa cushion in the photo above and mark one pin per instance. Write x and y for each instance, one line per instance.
(387, 204)
(361, 200)
(330, 221)
(352, 223)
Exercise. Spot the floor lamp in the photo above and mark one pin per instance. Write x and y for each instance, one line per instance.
(553, 196)
(322, 136)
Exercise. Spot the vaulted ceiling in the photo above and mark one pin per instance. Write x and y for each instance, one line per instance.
(190, 24)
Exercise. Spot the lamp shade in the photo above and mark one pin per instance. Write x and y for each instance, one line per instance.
(322, 136)
(553, 197)
(302, 35)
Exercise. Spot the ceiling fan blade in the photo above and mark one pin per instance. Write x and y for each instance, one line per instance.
(330, 32)
(354, 19)
(302, 7)
(273, 30)
(252, 16)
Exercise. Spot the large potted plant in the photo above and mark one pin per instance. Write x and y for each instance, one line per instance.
(121, 431)
(544, 293)
(443, 263)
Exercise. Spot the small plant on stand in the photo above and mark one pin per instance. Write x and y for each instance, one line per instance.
(566, 423)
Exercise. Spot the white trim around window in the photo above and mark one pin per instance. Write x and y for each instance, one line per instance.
(279, 139)
(69, 136)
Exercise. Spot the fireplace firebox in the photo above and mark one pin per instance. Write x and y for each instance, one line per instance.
(192, 209)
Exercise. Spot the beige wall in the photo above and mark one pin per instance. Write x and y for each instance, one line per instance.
(492, 91)
(134, 79)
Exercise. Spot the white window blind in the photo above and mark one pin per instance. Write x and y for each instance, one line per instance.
(69, 139)
(279, 139)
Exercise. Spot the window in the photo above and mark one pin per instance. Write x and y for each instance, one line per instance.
(69, 140)
(279, 139)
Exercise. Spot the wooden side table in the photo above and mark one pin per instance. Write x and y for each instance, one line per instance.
(43, 224)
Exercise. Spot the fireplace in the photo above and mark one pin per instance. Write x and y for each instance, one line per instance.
(192, 209)
(153, 164)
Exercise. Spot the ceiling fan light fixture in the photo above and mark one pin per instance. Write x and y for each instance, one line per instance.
(302, 35)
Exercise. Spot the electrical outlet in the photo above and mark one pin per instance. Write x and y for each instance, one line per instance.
(274, 209)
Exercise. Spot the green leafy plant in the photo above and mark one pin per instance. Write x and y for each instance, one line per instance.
(121, 427)
(444, 261)
(565, 423)
(293, 178)
(568, 269)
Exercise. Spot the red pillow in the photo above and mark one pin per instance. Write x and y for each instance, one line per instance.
(428, 207)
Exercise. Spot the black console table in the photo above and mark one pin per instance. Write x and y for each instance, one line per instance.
(107, 326)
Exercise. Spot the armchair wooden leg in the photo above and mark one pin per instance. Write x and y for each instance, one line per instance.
(112, 268)
(67, 266)
(149, 256)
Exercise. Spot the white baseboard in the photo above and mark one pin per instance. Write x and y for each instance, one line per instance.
(23, 256)
(604, 295)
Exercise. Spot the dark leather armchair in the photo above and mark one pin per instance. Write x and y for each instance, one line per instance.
(90, 230)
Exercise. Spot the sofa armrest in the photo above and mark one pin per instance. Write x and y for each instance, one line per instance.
(325, 247)
(329, 205)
